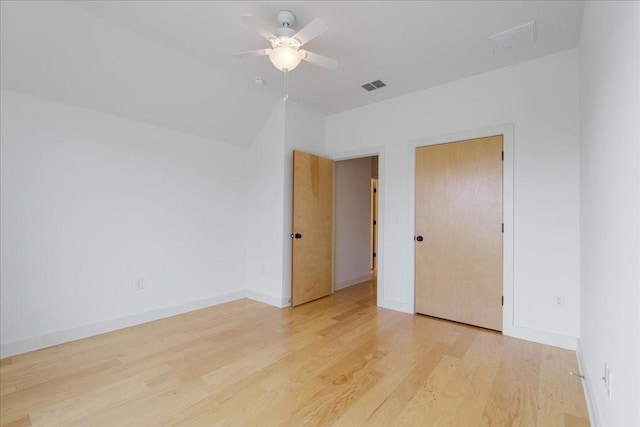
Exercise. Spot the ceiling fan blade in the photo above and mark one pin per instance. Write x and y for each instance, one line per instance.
(312, 30)
(323, 61)
(262, 28)
(250, 53)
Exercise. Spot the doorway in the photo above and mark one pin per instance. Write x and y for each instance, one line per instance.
(356, 222)
(459, 226)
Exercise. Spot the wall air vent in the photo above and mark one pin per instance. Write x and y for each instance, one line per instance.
(376, 84)
(515, 37)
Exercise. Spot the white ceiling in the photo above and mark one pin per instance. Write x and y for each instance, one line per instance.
(169, 63)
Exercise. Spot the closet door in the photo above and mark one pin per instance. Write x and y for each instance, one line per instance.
(458, 242)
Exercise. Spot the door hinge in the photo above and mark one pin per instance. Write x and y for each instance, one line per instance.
(375, 222)
(374, 254)
(503, 300)
(375, 190)
(503, 227)
(503, 155)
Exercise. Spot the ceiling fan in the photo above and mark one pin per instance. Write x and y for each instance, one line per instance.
(285, 53)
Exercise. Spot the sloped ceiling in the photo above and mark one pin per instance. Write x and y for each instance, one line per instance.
(169, 63)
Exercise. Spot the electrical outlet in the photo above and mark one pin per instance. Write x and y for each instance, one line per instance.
(139, 286)
(559, 300)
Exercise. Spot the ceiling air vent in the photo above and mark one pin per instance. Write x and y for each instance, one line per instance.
(515, 37)
(376, 84)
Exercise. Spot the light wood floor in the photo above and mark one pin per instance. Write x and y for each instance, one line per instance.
(339, 360)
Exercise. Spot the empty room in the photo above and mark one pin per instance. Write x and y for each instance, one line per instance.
(288, 213)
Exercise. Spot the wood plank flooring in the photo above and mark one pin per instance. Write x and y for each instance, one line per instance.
(336, 361)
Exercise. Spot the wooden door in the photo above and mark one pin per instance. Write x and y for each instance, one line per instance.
(312, 228)
(458, 248)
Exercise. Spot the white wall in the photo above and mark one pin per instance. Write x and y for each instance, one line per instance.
(290, 126)
(540, 98)
(610, 208)
(352, 221)
(92, 202)
(265, 227)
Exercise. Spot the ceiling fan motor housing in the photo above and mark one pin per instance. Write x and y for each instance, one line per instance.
(286, 18)
(284, 32)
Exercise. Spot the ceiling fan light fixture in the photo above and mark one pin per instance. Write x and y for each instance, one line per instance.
(285, 58)
(285, 53)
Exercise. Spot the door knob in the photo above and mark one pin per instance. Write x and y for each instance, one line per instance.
(296, 236)
(419, 238)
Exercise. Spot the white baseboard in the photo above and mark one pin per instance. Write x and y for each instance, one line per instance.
(541, 337)
(351, 282)
(60, 337)
(268, 299)
(548, 338)
(396, 305)
(594, 415)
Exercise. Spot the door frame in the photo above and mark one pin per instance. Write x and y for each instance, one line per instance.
(506, 131)
(374, 223)
(356, 154)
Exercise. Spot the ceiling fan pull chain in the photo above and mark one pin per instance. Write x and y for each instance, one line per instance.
(286, 84)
